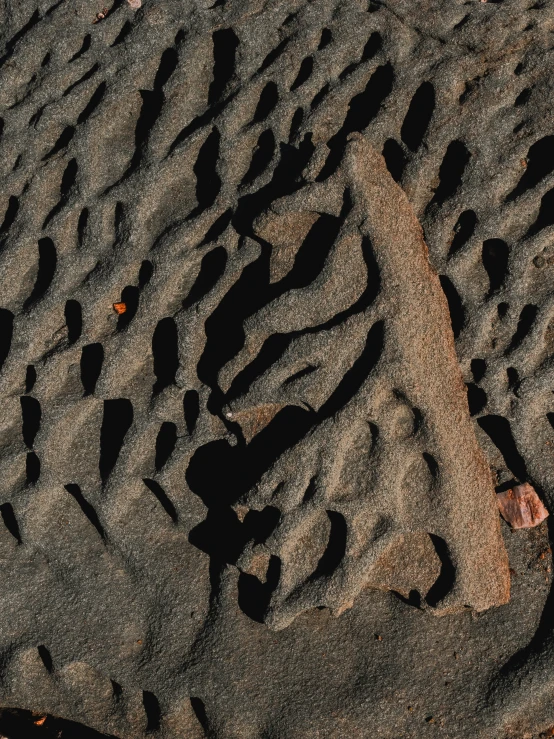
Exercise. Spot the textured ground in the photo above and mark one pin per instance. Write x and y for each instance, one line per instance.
(238, 509)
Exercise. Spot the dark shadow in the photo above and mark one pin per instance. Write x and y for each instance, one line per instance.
(455, 305)
(304, 73)
(362, 109)
(16, 723)
(208, 182)
(253, 595)
(418, 116)
(157, 490)
(525, 324)
(10, 521)
(32, 468)
(145, 273)
(63, 141)
(191, 409)
(500, 433)
(73, 320)
(269, 97)
(31, 413)
(10, 214)
(546, 213)
(261, 157)
(85, 46)
(47, 259)
(152, 710)
(495, 256)
(117, 419)
(130, 296)
(476, 398)
(6, 333)
(92, 358)
(395, 159)
(165, 349)
(86, 507)
(225, 44)
(445, 581)
(540, 163)
(336, 547)
(451, 171)
(165, 443)
(92, 104)
(212, 268)
(30, 378)
(463, 231)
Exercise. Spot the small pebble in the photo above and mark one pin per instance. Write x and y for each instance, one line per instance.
(135, 4)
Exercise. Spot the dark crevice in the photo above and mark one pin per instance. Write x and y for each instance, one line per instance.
(30, 378)
(33, 20)
(418, 116)
(320, 96)
(200, 713)
(16, 723)
(463, 230)
(395, 159)
(46, 658)
(261, 157)
(164, 501)
(10, 215)
(445, 581)
(63, 141)
(82, 79)
(82, 227)
(304, 73)
(191, 409)
(254, 595)
(476, 399)
(92, 104)
(513, 379)
(122, 35)
(495, 256)
(478, 369)
(225, 44)
(6, 333)
(165, 443)
(152, 710)
(523, 97)
(217, 227)
(32, 468)
(273, 55)
(69, 178)
(208, 182)
(451, 171)
(326, 38)
(166, 67)
(31, 414)
(145, 273)
(269, 98)
(165, 349)
(526, 320)
(47, 259)
(85, 46)
(10, 521)
(92, 358)
(130, 296)
(545, 217)
(211, 270)
(73, 320)
(116, 422)
(455, 305)
(540, 163)
(296, 122)
(86, 507)
(336, 547)
(363, 108)
(500, 433)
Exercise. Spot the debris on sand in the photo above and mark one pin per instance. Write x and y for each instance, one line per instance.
(521, 507)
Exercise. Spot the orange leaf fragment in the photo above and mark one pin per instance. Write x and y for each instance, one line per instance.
(521, 507)
(120, 308)
(40, 721)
